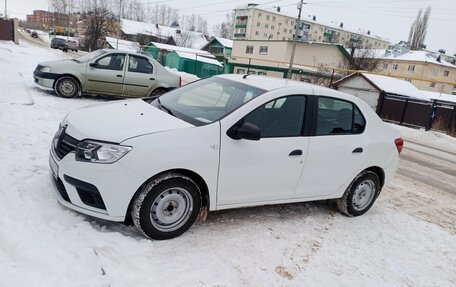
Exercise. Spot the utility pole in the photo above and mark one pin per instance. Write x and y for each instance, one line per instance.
(6, 6)
(120, 25)
(298, 23)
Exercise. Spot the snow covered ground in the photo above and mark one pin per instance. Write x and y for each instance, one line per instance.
(407, 239)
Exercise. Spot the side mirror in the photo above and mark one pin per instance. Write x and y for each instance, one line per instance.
(93, 65)
(247, 131)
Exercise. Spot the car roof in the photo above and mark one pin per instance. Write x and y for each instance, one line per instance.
(122, 51)
(270, 83)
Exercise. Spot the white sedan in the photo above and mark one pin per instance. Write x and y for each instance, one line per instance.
(225, 142)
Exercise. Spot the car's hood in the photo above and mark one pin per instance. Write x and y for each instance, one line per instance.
(120, 120)
(57, 63)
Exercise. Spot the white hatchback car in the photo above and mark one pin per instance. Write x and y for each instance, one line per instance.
(225, 142)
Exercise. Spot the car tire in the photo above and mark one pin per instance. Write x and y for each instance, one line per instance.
(66, 87)
(360, 194)
(166, 207)
(157, 93)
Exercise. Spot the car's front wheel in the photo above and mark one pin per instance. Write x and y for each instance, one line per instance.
(166, 207)
(66, 87)
(360, 194)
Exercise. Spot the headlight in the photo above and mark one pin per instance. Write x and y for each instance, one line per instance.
(98, 152)
(45, 69)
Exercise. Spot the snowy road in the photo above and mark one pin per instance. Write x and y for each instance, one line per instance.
(421, 162)
(407, 239)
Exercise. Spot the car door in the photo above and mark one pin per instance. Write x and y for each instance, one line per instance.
(140, 77)
(338, 149)
(105, 75)
(268, 169)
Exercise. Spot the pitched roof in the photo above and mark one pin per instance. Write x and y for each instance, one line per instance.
(225, 42)
(388, 84)
(135, 27)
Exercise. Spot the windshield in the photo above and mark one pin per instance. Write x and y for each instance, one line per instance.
(90, 56)
(207, 101)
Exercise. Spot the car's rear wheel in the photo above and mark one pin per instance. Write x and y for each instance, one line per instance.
(157, 92)
(67, 87)
(360, 194)
(166, 207)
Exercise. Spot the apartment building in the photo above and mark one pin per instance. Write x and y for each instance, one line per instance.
(414, 65)
(43, 18)
(271, 58)
(254, 23)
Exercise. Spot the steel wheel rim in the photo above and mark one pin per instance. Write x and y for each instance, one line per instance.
(171, 209)
(363, 195)
(67, 87)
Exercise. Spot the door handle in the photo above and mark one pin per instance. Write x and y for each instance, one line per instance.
(152, 79)
(358, 150)
(119, 76)
(296, 152)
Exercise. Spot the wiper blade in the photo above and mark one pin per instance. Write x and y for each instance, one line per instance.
(162, 107)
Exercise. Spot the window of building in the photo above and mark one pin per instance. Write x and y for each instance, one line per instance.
(261, 74)
(272, 27)
(436, 71)
(268, 17)
(284, 30)
(283, 38)
(241, 71)
(432, 85)
(249, 49)
(385, 66)
(257, 33)
(251, 72)
(290, 31)
(259, 15)
(408, 80)
(292, 22)
(266, 26)
(395, 66)
(263, 50)
(446, 73)
(442, 87)
(338, 117)
(411, 68)
(283, 117)
(273, 18)
(258, 24)
(265, 35)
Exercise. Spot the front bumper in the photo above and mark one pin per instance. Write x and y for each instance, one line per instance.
(76, 185)
(44, 79)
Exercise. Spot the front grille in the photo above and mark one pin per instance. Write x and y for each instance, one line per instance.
(65, 145)
(62, 190)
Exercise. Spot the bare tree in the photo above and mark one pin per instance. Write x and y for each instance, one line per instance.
(201, 25)
(97, 24)
(418, 29)
(362, 59)
(185, 39)
(225, 29)
(190, 23)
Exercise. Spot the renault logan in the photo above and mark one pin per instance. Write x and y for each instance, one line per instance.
(106, 72)
(225, 142)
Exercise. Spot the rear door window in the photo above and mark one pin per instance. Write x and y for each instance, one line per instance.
(336, 117)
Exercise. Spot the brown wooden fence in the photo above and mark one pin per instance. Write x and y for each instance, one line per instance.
(6, 29)
(435, 114)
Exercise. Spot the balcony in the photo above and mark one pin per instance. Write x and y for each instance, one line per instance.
(239, 35)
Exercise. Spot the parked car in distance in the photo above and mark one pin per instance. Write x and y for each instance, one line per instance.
(34, 34)
(59, 43)
(106, 72)
(28, 31)
(224, 142)
(72, 45)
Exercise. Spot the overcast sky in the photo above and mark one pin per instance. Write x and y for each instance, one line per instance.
(387, 18)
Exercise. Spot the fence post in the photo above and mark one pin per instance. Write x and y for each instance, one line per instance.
(404, 110)
(380, 103)
(431, 115)
(451, 126)
(332, 78)
(248, 67)
(196, 64)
